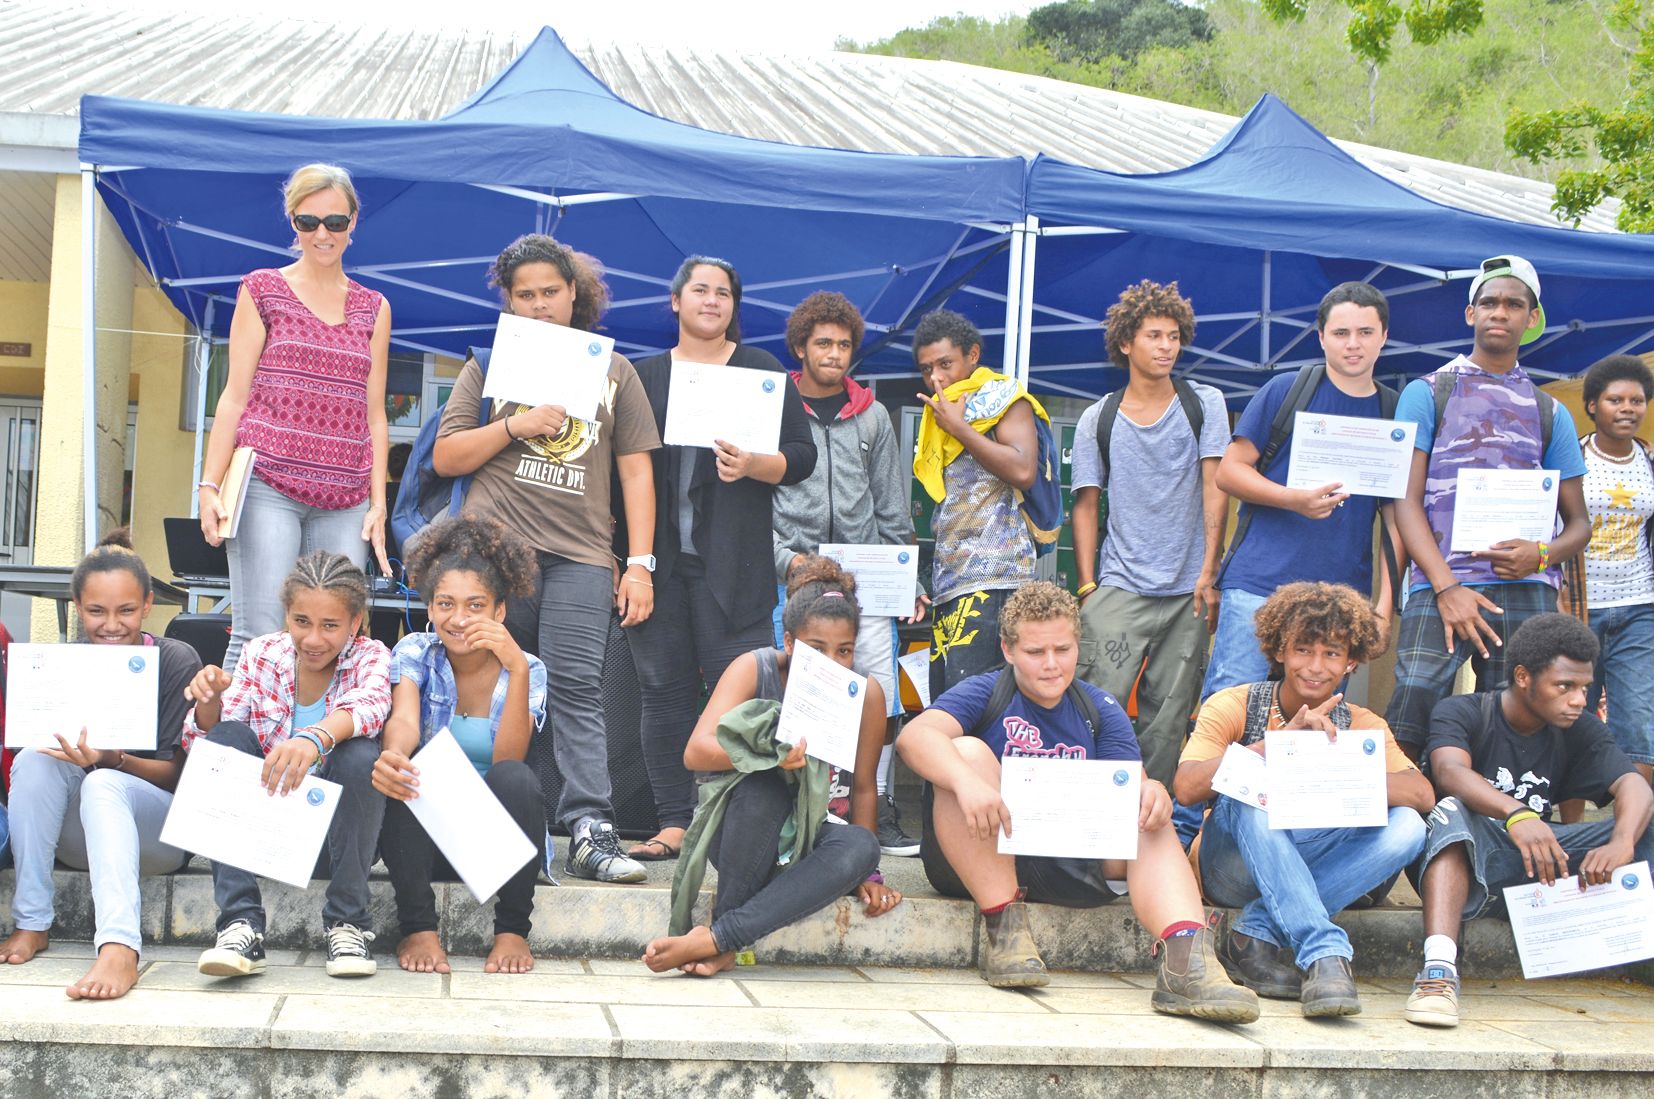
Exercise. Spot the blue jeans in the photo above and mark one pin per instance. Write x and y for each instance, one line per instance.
(1624, 669)
(5, 840)
(275, 532)
(1289, 883)
(106, 822)
(1236, 657)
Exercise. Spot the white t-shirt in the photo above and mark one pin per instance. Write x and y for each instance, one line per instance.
(1619, 570)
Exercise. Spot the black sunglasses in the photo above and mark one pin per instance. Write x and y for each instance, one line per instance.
(309, 223)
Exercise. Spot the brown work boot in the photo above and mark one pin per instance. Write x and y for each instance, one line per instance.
(1329, 989)
(1192, 982)
(1009, 957)
(1262, 967)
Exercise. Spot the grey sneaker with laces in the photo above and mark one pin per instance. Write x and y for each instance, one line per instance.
(238, 952)
(597, 856)
(348, 953)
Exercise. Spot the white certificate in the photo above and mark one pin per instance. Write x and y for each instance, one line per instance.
(1493, 505)
(109, 690)
(222, 812)
(887, 577)
(1244, 776)
(916, 666)
(1367, 457)
(465, 820)
(1317, 783)
(1076, 808)
(1560, 929)
(536, 363)
(739, 406)
(822, 704)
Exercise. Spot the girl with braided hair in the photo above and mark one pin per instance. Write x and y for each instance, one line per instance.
(312, 697)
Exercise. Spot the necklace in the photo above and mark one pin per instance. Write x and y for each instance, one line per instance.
(1591, 441)
(1275, 706)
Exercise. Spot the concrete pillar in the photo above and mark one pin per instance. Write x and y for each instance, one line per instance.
(60, 531)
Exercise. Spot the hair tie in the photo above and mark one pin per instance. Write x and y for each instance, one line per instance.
(831, 595)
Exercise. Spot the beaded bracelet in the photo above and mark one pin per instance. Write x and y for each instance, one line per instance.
(1544, 556)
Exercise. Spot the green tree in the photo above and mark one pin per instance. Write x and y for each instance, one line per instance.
(1619, 138)
(1090, 31)
(1623, 136)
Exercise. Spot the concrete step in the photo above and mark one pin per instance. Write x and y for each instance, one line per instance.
(584, 1028)
(586, 920)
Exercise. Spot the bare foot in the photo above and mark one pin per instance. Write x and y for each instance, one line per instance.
(422, 952)
(22, 945)
(678, 951)
(510, 955)
(665, 844)
(111, 976)
(711, 967)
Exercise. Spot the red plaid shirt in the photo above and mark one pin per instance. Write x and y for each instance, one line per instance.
(264, 692)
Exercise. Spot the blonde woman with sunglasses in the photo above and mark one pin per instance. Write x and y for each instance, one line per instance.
(306, 391)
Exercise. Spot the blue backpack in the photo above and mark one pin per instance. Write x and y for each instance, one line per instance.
(424, 495)
(1042, 508)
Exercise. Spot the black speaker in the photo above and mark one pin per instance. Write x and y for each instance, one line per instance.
(633, 799)
(207, 634)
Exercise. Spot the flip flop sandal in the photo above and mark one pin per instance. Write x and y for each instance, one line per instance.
(670, 852)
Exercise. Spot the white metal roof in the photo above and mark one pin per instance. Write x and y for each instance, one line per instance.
(55, 53)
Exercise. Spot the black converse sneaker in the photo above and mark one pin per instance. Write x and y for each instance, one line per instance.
(597, 856)
(348, 954)
(892, 839)
(238, 952)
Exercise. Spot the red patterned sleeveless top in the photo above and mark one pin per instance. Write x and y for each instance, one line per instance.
(306, 413)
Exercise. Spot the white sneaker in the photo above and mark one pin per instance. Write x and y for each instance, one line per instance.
(348, 954)
(1435, 997)
(238, 952)
(597, 856)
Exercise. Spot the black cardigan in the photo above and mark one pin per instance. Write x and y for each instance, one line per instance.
(732, 521)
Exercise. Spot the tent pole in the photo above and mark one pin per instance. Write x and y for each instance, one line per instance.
(203, 367)
(1025, 326)
(1013, 294)
(1263, 313)
(89, 346)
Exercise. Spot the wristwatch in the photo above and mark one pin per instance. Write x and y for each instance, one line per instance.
(647, 560)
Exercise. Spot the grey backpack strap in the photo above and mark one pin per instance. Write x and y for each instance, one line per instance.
(1260, 700)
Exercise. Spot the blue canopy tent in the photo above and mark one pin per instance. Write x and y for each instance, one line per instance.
(1263, 225)
(547, 147)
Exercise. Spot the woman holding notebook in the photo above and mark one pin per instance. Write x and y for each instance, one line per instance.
(306, 395)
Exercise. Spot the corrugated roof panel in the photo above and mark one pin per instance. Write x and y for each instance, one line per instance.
(57, 54)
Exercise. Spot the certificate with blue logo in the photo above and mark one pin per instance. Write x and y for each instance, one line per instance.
(822, 706)
(1073, 808)
(1494, 505)
(887, 577)
(1562, 928)
(222, 812)
(108, 690)
(1361, 455)
(536, 362)
(709, 402)
(1314, 782)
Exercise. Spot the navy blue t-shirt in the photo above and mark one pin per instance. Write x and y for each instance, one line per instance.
(1282, 546)
(1027, 729)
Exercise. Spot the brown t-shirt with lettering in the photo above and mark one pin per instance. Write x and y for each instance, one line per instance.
(554, 490)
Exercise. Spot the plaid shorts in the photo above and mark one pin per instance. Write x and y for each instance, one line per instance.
(1424, 667)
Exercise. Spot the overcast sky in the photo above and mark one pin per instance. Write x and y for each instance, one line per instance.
(778, 26)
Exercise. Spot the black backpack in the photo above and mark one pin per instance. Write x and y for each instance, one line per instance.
(1005, 688)
(426, 495)
(1298, 396)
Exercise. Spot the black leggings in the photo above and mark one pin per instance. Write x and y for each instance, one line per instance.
(753, 898)
(411, 856)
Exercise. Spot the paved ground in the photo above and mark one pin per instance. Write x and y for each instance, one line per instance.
(823, 1013)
